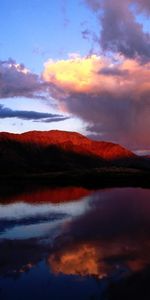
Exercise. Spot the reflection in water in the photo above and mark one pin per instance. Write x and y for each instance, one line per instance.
(102, 235)
(45, 195)
(83, 260)
(112, 234)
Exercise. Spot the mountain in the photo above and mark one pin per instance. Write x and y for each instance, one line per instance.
(57, 151)
(68, 141)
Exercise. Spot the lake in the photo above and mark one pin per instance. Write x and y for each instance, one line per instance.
(72, 243)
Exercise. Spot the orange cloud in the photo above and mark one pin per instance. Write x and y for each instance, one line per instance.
(138, 76)
(76, 74)
(96, 74)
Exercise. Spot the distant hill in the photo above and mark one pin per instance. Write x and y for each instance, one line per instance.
(58, 151)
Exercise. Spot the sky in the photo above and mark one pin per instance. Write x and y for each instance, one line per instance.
(79, 65)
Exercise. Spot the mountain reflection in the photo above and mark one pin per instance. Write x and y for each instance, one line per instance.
(105, 232)
(43, 195)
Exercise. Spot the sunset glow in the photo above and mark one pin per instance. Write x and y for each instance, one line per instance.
(95, 74)
(75, 74)
(88, 69)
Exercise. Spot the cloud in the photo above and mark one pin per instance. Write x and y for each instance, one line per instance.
(113, 71)
(120, 32)
(112, 95)
(94, 4)
(144, 5)
(6, 112)
(17, 81)
(86, 34)
(77, 74)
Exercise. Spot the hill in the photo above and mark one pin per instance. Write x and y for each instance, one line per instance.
(44, 152)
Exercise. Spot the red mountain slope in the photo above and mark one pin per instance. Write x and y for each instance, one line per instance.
(70, 141)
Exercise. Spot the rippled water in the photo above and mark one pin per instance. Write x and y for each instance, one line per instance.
(72, 243)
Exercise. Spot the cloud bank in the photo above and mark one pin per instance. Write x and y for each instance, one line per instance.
(111, 96)
(6, 112)
(16, 80)
(120, 32)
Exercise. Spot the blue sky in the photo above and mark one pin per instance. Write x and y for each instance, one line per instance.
(32, 31)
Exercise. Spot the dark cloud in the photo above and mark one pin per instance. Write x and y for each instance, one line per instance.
(16, 80)
(6, 112)
(120, 32)
(55, 119)
(113, 72)
(117, 117)
(86, 34)
(143, 5)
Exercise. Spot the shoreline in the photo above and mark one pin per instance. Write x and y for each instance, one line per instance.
(97, 178)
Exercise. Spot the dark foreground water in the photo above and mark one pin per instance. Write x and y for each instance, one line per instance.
(71, 243)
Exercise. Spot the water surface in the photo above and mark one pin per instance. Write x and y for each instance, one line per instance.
(72, 243)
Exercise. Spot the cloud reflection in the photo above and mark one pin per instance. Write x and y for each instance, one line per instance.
(112, 235)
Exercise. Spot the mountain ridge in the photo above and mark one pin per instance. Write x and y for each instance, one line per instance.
(64, 158)
(73, 141)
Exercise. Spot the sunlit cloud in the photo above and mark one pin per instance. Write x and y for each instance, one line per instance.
(77, 74)
(95, 74)
(112, 95)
